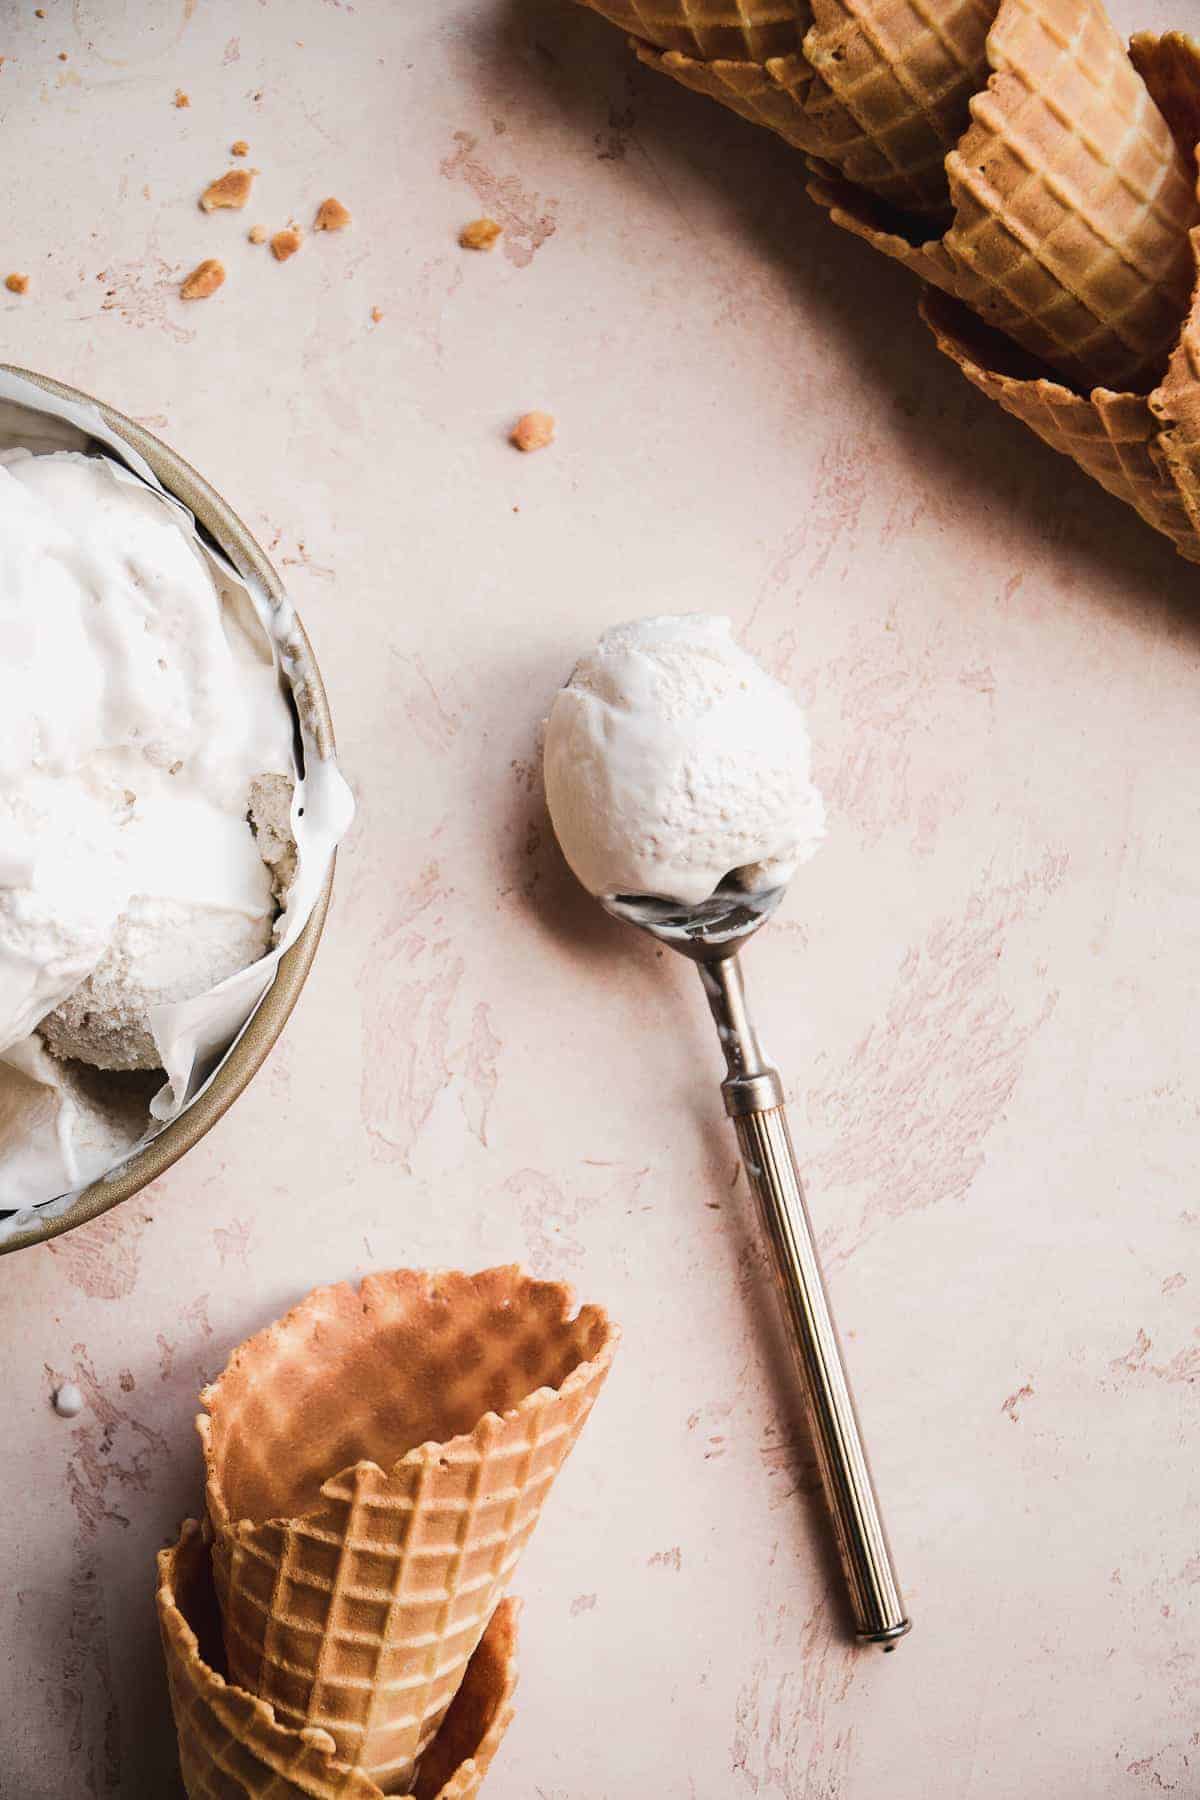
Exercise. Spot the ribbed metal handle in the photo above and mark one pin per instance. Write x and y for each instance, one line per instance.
(754, 1098)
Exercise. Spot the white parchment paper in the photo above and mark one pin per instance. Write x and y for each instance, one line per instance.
(193, 1036)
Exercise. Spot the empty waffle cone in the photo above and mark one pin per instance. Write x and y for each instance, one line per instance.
(375, 1463)
(1072, 201)
(733, 30)
(877, 88)
(232, 1747)
(898, 78)
(1145, 449)
(1113, 437)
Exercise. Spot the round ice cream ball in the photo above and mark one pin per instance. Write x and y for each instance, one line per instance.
(161, 951)
(673, 761)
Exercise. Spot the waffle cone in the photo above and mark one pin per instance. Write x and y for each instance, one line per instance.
(1113, 437)
(375, 1464)
(898, 76)
(1072, 204)
(729, 30)
(1072, 201)
(232, 1747)
(1069, 196)
(1143, 448)
(877, 88)
(1071, 251)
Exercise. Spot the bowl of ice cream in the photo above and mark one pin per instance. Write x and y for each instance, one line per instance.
(145, 844)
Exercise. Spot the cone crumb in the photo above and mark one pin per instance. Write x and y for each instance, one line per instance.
(17, 284)
(331, 216)
(239, 148)
(285, 243)
(230, 189)
(39, 12)
(376, 315)
(257, 234)
(181, 99)
(532, 431)
(204, 280)
(62, 56)
(480, 234)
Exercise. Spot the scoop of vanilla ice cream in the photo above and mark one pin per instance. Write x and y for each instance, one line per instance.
(136, 708)
(160, 951)
(672, 760)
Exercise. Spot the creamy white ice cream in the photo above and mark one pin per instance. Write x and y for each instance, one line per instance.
(672, 761)
(137, 706)
(63, 1121)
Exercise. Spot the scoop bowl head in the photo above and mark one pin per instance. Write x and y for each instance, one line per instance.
(708, 932)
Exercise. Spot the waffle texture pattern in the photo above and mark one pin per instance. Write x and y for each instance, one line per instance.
(376, 1461)
(1020, 160)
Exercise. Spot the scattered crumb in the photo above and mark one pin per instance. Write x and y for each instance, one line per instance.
(257, 234)
(331, 216)
(230, 189)
(532, 431)
(285, 243)
(480, 234)
(17, 284)
(204, 280)
(239, 148)
(181, 99)
(62, 56)
(39, 12)
(376, 315)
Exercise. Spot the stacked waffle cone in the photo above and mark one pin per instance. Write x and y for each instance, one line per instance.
(1037, 175)
(376, 1462)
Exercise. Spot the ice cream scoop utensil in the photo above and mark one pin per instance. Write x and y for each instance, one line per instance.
(710, 935)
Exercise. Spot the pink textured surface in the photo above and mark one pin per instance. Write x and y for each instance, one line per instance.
(979, 991)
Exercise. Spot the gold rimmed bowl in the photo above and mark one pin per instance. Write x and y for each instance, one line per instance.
(250, 1051)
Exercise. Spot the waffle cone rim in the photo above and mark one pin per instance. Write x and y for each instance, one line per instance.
(1048, 391)
(468, 1445)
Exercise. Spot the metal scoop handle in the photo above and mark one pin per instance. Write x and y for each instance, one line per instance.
(754, 1100)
